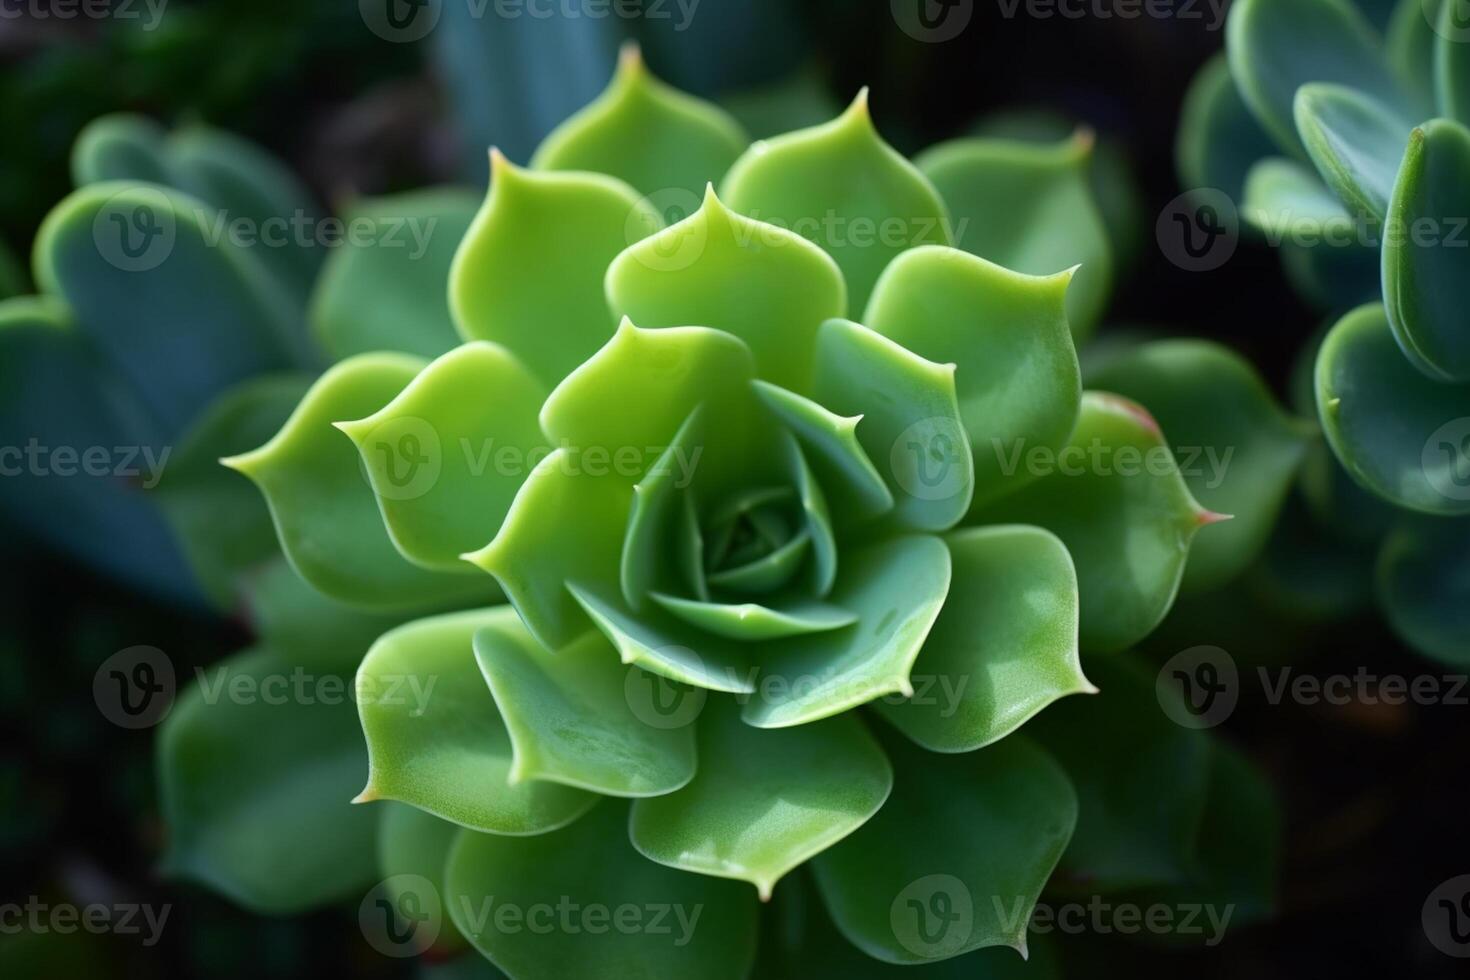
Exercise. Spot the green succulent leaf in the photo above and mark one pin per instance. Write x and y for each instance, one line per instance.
(571, 722)
(753, 622)
(1451, 63)
(764, 801)
(120, 146)
(664, 522)
(560, 905)
(911, 423)
(1291, 205)
(1410, 41)
(534, 258)
(413, 849)
(841, 186)
(1030, 208)
(1141, 781)
(383, 288)
(1004, 646)
(195, 490)
(1424, 253)
(436, 458)
(765, 284)
(326, 514)
(435, 738)
(1356, 142)
(1115, 497)
(235, 756)
(1017, 380)
(1423, 583)
(1235, 447)
(1219, 140)
(965, 844)
(896, 587)
(1398, 434)
(1277, 46)
(654, 137)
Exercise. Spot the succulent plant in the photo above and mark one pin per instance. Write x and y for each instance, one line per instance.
(1366, 194)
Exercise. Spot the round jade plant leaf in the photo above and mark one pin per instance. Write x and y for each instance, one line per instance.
(1289, 203)
(195, 490)
(764, 801)
(1235, 447)
(1424, 586)
(413, 851)
(1425, 251)
(910, 427)
(1399, 434)
(436, 455)
(435, 738)
(666, 144)
(1141, 782)
(581, 902)
(241, 753)
(383, 287)
(212, 312)
(1017, 377)
(1356, 142)
(326, 514)
(1029, 207)
(897, 588)
(1004, 646)
(120, 146)
(765, 284)
(956, 858)
(1219, 140)
(841, 186)
(1114, 496)
(529, 272)
(571, 721)
(1277, 46)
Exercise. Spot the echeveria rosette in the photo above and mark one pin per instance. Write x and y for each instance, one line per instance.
(1372, 141)
(745, 539)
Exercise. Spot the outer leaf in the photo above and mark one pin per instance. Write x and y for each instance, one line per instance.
(1004, 646)
(1287, 201)
(841, 186)
(120, 146)
(413, 849)
(232, 764)
(1356, 143)
(383, 288)
(436, 455)
(326, 515)
(1029, 208)
(764, 284)
(1410, 40)
(1115, 497)
(528, 273)
(582, 902)
(969, 839)
(1426, 249)
(1219, 140)
(571, 722)
(1017, 380)
(435, 738)
(912, 426)
(1276, 46)
(764, 801)
(1424, 586)
(1397, 433)
(896, 587)
(1451, 63)
(642, 131)
(1236, 449)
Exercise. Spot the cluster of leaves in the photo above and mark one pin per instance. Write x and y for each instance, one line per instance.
(1316, 123)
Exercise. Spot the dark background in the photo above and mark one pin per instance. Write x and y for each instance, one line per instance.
(1374, 796)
